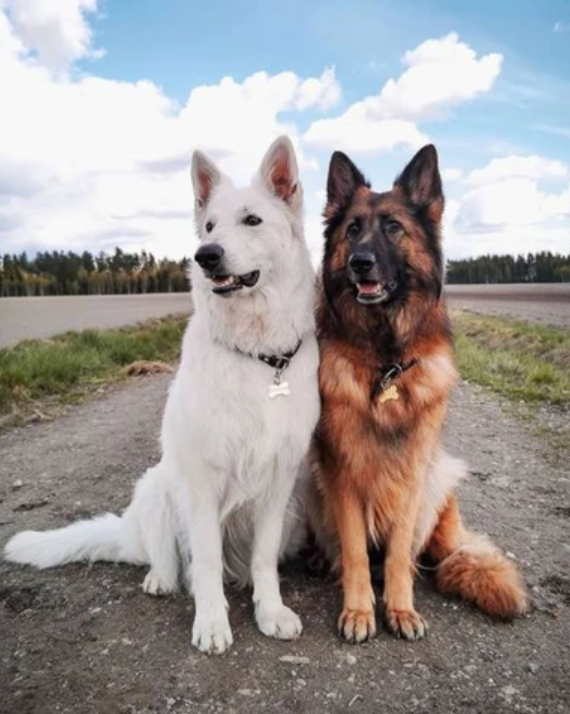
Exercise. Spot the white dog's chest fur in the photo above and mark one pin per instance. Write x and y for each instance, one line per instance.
(219, 407)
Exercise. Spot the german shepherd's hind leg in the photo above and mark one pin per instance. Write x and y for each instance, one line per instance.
(472, 567)
(402, 620)
(357, 621)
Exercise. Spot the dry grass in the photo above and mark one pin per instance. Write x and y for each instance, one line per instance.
(37, 376)
(528, 363)
(522, 361)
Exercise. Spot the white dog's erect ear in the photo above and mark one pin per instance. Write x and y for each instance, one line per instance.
(279, 171)
(205, 177)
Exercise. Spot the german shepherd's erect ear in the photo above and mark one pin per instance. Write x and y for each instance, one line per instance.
(343, 180)
(420, 183)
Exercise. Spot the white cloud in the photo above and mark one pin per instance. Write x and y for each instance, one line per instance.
(531, 167)
(451, 174)
(441, 73)
(513, 240)
(92, 162)
(323, 92)
(356, 131)
(510, 202)
(57, 30)
(87, 162)
(507, 211)
(563, 131)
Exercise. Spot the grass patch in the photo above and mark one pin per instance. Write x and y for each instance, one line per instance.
(40, 374)
(522, 361)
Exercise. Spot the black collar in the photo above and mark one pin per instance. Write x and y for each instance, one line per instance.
(281, 361)
(389, 374)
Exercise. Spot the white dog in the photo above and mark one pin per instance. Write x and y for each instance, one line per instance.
(238, 420)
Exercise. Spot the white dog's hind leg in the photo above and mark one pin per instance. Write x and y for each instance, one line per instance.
(151, 519)
(211, 631)
(273, 618)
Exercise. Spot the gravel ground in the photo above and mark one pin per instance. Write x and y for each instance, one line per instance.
(86, 640)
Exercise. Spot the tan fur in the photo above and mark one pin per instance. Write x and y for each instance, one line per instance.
(473, 568)
(381, 475)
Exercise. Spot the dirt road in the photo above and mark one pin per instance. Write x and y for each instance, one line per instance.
(26, 318)
(547, 303)
(86, 640)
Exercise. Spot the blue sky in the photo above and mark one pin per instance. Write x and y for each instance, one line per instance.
(108, 99)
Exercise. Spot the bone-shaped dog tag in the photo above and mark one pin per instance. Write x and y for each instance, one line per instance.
(281, 389)
(389, 394)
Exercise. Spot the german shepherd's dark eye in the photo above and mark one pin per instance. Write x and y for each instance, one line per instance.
(252, 220)
(353, 229)
(209, 227)
(393, 229)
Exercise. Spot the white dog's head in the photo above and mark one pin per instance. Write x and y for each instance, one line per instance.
(248, 236)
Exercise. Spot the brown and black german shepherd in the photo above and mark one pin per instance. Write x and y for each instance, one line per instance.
(386, 373)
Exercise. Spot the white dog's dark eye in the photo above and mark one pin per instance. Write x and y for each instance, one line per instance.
(252, 220)
(209, 226)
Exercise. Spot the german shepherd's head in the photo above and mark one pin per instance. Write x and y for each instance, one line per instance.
(383, 250)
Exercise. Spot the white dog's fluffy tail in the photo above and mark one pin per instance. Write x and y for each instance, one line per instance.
(146, 534)
(101, 538)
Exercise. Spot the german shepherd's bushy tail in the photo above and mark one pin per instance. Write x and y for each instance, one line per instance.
(470, 566)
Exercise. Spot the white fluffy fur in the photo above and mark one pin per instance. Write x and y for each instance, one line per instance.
(225, 493)
(442, 478)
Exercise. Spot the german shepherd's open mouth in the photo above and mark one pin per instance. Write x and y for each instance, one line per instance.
(374, 279)
(369, 292)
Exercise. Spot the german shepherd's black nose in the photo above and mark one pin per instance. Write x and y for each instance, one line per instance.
(362, 261)
(209, 256)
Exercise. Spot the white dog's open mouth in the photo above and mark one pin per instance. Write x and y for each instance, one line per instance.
(226, 284)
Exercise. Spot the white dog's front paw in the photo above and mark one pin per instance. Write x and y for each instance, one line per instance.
(153, 585)
(212, 635)
(280, 622)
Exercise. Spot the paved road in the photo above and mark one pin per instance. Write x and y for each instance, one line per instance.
(25, 318)
(545, 303)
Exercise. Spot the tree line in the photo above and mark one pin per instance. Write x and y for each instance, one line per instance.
(69, 273)
(123, 273)
(542, 267)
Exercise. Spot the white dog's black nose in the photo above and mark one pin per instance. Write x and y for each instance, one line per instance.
(209, 256)
(362, 261)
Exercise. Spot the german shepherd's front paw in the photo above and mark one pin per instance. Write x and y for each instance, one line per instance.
(407, 624)
(357, 626)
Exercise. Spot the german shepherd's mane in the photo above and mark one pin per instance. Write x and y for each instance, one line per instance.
(386, 373)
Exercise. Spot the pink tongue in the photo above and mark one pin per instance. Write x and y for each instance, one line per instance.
(368, 287)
